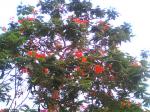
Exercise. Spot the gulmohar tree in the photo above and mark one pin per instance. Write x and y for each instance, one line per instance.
(73, 52)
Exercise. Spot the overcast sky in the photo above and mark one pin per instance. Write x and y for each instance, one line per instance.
(135, 12)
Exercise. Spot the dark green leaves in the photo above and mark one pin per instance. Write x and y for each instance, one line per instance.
(79, 8)
(112, 14)
(98, 13)
(24, 10)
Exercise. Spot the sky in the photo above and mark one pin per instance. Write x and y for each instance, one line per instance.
(135, 12)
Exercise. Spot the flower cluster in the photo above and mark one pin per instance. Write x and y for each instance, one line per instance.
(25, 19)
(78, 54)
(80, 21)
(36, 55)
(98, 69)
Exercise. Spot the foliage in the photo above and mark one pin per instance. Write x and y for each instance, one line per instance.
(74, 52)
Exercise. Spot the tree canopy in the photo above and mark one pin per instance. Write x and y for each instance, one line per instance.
(70, 53)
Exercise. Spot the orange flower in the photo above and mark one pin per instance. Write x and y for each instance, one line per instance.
(84, 59)
(126, 104)
(78, 54)
(123, 104)
(129, 104)
(98, 69)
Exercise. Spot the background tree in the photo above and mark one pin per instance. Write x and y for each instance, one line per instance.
(71, 49)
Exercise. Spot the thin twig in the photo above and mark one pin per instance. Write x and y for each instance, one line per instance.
(15, 91)
(23, 101)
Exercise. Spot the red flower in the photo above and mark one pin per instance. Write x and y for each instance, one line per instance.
(77, 68)
(25, 19)
(83, 21)
(30, 19)
(78, 54)
(30, 53)
(55, 94)
(24, 70)
(21, 20)
(39, 55)
(82, 73)
(106, 27)
(79, 21)
(98, 69)
(68, 76)
(84, 59)
(45, 70)
(36, 55)
(76, 20)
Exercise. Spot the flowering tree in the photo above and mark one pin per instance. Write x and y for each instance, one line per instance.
(73, 53)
